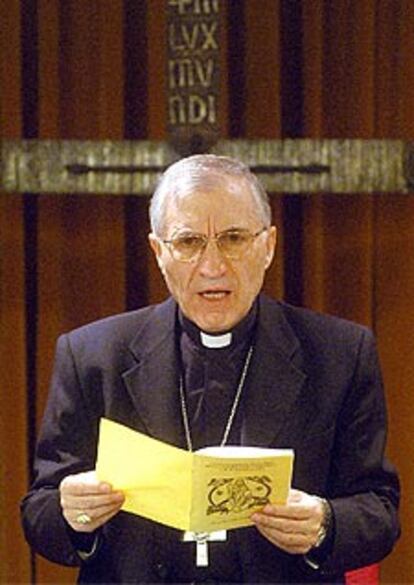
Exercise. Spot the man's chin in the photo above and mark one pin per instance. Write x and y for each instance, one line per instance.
(215, 323)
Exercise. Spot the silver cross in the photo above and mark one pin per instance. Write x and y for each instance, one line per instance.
(202, 539)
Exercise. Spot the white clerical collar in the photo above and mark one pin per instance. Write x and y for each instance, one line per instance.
(215, 341)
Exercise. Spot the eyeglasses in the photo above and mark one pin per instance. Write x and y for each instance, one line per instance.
(233, 244)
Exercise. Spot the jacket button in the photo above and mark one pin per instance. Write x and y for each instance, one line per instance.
(162, 570)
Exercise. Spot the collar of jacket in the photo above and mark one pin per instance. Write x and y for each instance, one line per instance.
(274, 380)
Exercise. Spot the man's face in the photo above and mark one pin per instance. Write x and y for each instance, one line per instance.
(215, 292)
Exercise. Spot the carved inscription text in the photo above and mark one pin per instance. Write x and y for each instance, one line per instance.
(193, 71)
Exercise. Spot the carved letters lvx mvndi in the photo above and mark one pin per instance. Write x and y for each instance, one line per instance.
(193, 74)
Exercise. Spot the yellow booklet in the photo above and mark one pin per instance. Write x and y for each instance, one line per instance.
(212, 489)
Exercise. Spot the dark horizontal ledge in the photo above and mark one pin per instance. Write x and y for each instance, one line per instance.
(312, 169)
(82, 169)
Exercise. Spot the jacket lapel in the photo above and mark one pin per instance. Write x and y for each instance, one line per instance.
(276, 379)
(274, 382)
(152, 381)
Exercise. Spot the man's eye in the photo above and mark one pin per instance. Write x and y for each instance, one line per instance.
(234, 238)
(188, 242)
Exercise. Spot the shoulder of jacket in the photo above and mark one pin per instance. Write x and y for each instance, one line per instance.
(121, 327)
(316, 329)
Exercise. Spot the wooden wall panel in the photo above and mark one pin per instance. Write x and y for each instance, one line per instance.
(110, 98)
(49, 71)
(157, 113)
(394, 266)
(136, 108)
(224, 105)
(262, 66)
(313, 233)
(263, 105)
(394, 316)
(81, 239)
(15, 563)
(358, 250)
(348, 68)
(338, 101)
(157, 67)
(347, 257)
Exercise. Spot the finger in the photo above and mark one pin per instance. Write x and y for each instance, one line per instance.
(295, 496)
(290, 511)
(84, 484)
(293, 543)
(90, 501)
(97, 517)
(96, 514)
(308, 527)
(299, 505)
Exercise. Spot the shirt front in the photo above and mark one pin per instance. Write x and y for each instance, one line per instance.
(211, 378)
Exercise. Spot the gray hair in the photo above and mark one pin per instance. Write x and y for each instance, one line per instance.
(204, 170)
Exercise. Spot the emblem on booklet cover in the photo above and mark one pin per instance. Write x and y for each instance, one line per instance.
(232, 495)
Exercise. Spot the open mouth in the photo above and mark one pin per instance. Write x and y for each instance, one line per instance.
(214, 295)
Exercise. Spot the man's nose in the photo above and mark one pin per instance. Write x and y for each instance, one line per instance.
(212, 262)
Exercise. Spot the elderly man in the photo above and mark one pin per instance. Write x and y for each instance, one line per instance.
(218, 363)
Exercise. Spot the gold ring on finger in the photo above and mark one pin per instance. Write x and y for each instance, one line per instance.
(83, 518)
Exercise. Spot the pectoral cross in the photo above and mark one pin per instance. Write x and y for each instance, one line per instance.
(202, 539)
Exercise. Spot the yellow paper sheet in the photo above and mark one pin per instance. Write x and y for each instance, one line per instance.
(155, 477)
(190, 491)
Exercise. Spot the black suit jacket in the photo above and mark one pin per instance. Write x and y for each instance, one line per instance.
(314, 385)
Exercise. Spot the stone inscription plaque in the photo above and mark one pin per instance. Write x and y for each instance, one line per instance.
(193, 74)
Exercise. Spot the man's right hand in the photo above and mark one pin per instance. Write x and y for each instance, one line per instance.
(88, 503)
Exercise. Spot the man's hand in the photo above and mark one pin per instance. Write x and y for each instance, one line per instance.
(88, 503)
(294, 527)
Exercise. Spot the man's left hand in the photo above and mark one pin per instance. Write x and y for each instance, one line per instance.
(293, 527)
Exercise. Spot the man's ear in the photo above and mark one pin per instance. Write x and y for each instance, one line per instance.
(271, 245)
(157, 249)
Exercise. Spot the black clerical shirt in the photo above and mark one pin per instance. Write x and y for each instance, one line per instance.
(211, 377)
